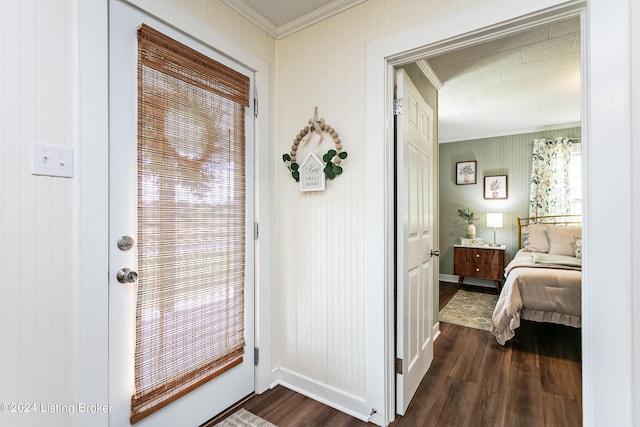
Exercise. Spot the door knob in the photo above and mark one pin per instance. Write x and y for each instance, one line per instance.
(126, 275)
(435, 252)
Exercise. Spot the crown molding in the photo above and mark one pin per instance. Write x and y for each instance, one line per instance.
(295, 25)
(513, 132)
(252, 15)
(316, 16)
(426, 69)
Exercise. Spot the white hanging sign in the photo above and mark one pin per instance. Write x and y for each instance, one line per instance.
(312, 177)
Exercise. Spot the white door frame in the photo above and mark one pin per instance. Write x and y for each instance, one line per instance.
(483, 23)
(238, 382)
(167, 13)
(90, 279)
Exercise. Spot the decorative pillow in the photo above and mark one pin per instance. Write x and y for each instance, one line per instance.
(578, 240)
(535, 238)
(562, 240)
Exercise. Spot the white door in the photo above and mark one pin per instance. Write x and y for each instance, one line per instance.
(206, 401)
(414, 237)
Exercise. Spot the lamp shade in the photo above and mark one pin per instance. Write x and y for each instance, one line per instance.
(494, 220)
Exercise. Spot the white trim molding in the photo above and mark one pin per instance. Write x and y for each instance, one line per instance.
(350, 404)
(431, 75)
(90, 277)
(514, 132)
(278, 32)
(243, 8)
(635, 142)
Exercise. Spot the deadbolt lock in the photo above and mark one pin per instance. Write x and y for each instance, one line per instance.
(125, 243)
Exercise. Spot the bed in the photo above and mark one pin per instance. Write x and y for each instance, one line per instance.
(543, 281)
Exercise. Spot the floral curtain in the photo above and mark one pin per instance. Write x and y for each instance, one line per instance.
(550, 184)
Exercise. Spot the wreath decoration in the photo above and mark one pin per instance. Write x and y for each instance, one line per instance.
(332, 158)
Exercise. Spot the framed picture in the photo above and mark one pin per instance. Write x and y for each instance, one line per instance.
(496, 187)
(466, 172)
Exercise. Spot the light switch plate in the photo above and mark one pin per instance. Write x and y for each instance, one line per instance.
(52, 160)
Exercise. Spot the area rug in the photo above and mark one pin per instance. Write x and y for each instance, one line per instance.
(244, 418)
(471, 309)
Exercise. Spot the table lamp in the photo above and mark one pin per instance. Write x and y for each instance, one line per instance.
(494, 220)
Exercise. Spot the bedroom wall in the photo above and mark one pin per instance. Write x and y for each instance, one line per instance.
(502, 155)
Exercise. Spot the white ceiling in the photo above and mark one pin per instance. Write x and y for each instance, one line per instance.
(522, 83)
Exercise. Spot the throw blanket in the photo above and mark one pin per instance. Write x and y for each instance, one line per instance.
(556, 260)
(538, 292)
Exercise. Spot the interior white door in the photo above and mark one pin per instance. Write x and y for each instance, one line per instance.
(414, 237)
(206, 401)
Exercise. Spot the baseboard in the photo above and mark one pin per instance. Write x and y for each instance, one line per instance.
(436, 331)
(452, 278)
(323, 393)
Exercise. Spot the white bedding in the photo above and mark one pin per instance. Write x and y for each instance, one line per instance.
(541, 292)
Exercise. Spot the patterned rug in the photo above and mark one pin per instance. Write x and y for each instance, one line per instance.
(471, 309)
(244, 418)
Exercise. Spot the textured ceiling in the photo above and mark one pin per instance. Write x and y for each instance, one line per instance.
(524, 82)
(521, 83)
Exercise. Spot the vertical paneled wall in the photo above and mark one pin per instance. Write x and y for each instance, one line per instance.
(222, 19)
(36, 212)
(503, 155)
(323, 246)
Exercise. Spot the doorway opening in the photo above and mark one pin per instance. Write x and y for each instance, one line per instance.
(395, 53)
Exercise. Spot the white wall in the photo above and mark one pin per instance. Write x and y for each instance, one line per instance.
(323, 268)
(635, 159)
(608, 329)
(37, 214)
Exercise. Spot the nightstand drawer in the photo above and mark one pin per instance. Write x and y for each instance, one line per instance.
(487, 271)
(478, 255)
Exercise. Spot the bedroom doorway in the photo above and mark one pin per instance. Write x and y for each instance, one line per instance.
(410, 47)
(489, 114)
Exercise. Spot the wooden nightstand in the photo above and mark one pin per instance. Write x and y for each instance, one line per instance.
(484, 262)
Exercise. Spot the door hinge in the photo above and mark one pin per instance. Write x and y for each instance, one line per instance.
(255, 231)
(255, 107)
(256, 355)
(398, 366)
(397, 106)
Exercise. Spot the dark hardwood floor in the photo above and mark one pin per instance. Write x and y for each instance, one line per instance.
(535, 380)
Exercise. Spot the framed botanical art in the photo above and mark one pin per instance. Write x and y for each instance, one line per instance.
(496, 187)
(466, 172)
